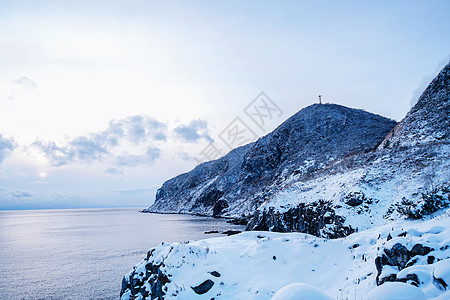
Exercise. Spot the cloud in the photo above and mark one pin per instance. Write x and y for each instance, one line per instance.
(57, 155)
(22, 194)
(193, 132)
(138, 191)
(6, 146)
(139, 131)
(114, 171)
(133, 160)
(9, 90)
(24, 82)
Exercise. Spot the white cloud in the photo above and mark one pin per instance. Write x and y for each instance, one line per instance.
(193, 132)
(138, 131)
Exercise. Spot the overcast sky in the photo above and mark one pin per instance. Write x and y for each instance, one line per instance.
(102, 101)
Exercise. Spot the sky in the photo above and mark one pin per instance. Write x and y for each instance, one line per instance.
(103, 101)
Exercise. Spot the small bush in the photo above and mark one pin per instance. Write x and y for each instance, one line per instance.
(429, 203)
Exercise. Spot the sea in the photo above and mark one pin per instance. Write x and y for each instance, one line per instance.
(84, 253)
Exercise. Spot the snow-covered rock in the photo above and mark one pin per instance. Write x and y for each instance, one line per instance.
(300, 291)
(396, 291)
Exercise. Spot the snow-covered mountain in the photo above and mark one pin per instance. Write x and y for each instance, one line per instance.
(242, 180)
(328, 170)
(362, 204)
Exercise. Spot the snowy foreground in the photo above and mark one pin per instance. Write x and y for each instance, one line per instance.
(266, 265)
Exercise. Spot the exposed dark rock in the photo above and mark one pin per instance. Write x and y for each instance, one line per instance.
(390, 277)
(399, 256)
(211, 232)
(219, 207)
(239, 221)
(153, 275)
(309, 218)
(215, 273)
(440, 283)
(412, 279)
(354, 198)
(419, 249)
(231, 232)
(203, 287)
(389, 237)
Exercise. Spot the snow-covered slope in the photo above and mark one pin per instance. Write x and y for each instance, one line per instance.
(255, 265)
(241, 181)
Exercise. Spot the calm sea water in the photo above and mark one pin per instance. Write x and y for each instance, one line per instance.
(83, 253)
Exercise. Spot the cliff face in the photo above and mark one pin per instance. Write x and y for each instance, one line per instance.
(201, 190)
(241, 181)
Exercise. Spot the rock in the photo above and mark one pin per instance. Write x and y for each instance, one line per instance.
(125, 286)
(399, 256)
(239, 221)
(311, 218)
(136, 284)
(231, 232)
(411, 279)
(440, 283)
(219, 207)
(203, 287)
(215, 273)
(419, 249)
(388, 278)
(211, 232)
(354, 198)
